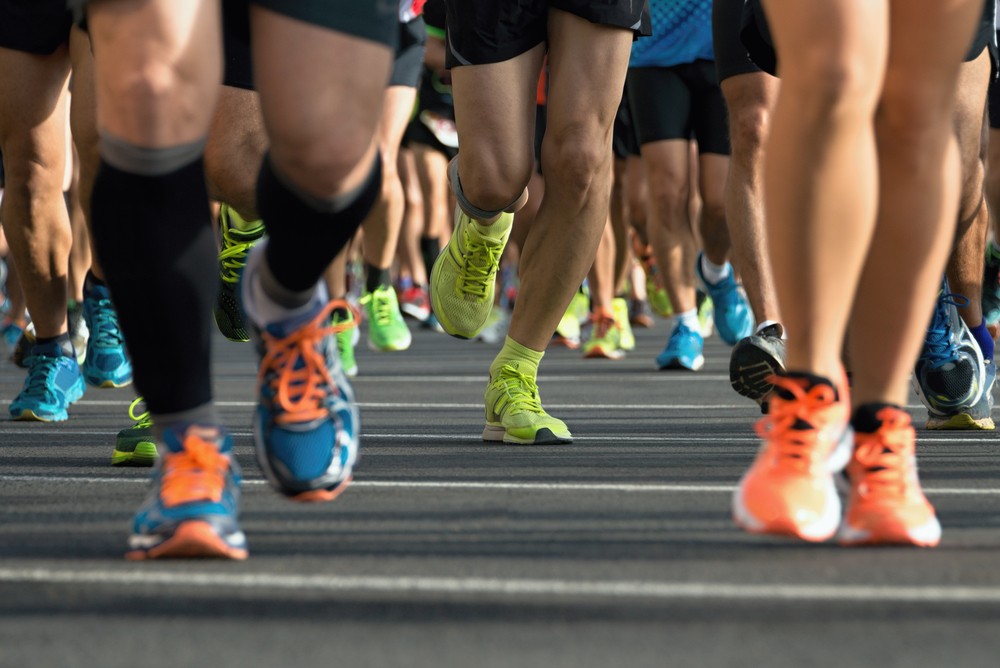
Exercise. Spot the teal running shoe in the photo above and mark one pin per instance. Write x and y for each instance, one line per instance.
(991, 285)
(733, 317)
(684, 350)
(53, 383)
(192, 510)
(136, 445)
(106, 363)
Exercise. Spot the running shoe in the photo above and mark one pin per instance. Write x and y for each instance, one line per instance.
(991, 285)
(387, 331)
(53, 383)
(641, 314)
(789, 489)
(568, 330)
(192, 509)
(706, 314)
(620, 308)
(346, 322)
(415, 303)
(136, 445)
(659, 299)
(605, 338)
(886, 505)
(514, 412)
(733, 317)
(754, 360)
(106, 363)
(11, 330)
(236, 243)
(950, 373)
(495, 330)
(684, 350)
(306, 426)
(977, 417)
(463, 278)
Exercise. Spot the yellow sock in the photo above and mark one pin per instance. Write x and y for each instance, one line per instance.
(525, 359)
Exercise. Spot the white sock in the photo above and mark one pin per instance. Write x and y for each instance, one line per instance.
(689, 319)
(712, 272)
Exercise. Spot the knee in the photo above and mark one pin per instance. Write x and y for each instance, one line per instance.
(577, 159)
(156, 103)
(669, 194)
(826, 86)
(748, 127)
(492, 181)
(319, 163)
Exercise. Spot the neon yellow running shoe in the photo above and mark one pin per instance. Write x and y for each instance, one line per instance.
(135, 445)
(236, 243)
(620, 309)
(605, 338)
(345, 323)
(464, 276)
(514, 412)
(387, 332)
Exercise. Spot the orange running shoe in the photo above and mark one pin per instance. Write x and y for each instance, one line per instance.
(789, 490)
(886, 505)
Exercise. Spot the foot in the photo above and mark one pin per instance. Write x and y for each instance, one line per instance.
(345, 321)
(620, 309)
(733, 317)
(136, 445)
(415, 303)
(683, 350)
(514, 412)
(53, 383)
(754, 360)
(236, 243)
(605, 338)
(387, 331)
(107, 363)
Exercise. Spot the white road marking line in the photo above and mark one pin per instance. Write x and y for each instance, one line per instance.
(507, 588)
(663, 488)
(462, 406)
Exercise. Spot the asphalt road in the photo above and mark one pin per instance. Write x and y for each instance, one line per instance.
(617, 550)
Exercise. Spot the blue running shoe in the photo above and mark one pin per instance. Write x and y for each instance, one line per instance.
(991, 285)
(733, 317)
(192, 510)
(683, 351)
(950, 373)
(106, 363)
(306, 426)
(52, 384)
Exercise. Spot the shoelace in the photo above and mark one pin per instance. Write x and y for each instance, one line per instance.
(143, 420)
(883, 455)
(106, 333)
(520, 389)
(197, 473)
(786, 444)
(383, 305)
(41, 368)
(938, 345)
(296, 371)
(233, 256)
(480, 261)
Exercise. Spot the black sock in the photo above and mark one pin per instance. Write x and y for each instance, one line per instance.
(430, 248)
(376, 277)
(91, 281)
(63, 341)
(865, 418)
(154, 238)
(304, 238)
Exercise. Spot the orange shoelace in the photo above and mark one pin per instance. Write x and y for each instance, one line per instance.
(197, 473)
(786, 444)
(882, 456)
(299, 392)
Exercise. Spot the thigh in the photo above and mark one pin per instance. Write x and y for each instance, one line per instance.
(660, 102)
(32, 113)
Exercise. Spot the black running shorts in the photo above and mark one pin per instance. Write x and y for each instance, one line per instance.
(624, 141)
(995, 100)
(731, 57)
(409, 61)
(238, 70)
(376, 20)
(492, 31)
(679, 102)
(34, 26)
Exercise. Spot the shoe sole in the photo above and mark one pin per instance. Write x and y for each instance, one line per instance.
(28, 415)
(394, 348)
(321, 495)
(600, 352)
(749, 369)
(677, 365)
(497, 434)
(145, 455)
(927, 535)
(195, 539)
(960, 422)
(414, 312)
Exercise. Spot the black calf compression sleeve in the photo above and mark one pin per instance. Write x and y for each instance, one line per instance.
(154, 239)
(305, 233)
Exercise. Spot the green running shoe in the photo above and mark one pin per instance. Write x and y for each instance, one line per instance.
(387, 332)
(136, 445)
(232, 258)
(605, 338)
(620, 308)
(514, 412)
(464, 276)
(346, 325)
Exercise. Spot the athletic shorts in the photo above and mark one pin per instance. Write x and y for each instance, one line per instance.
(995, 99)
(492, 31)
(417, 132)
(731, 57)
(238, 63)
(624, 142)
(34, 26)
(409, 61)
(679, 102)
(756, 36)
